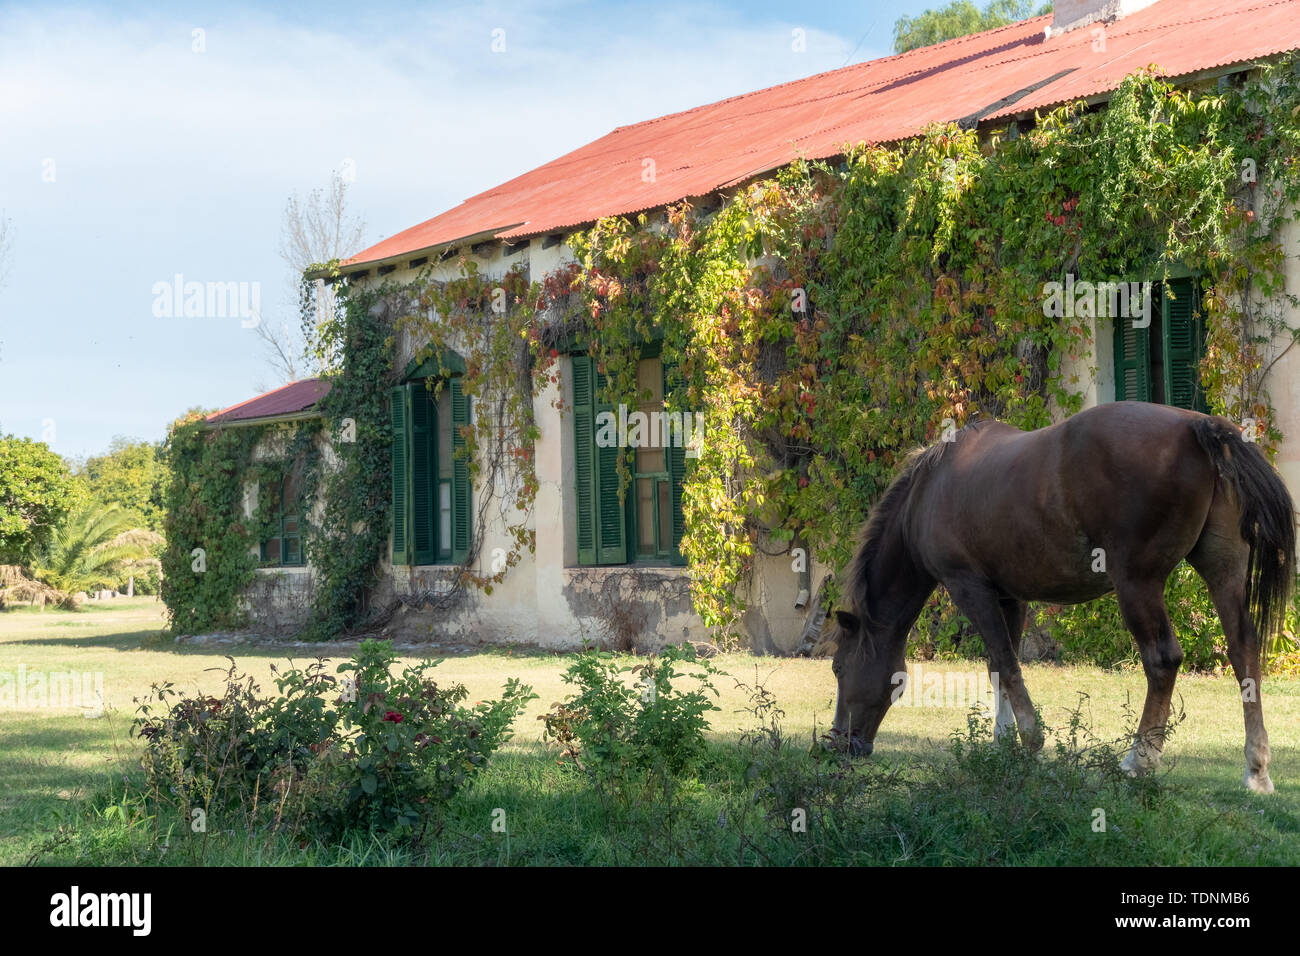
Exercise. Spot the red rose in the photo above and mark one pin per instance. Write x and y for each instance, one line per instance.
(393, 717)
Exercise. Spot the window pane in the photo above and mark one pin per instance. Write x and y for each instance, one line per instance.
(292, 551)
(293, 485)
(270, 496)
(645, 516)
(272, 550)
(444, 433)
(291, 524)
(444, 516)
(665, 517)
(650, 381)
(650, 392)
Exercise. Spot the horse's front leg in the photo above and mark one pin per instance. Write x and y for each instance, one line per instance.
(987, 610)
(1013, 613)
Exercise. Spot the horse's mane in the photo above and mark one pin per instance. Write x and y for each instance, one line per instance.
(918, 464)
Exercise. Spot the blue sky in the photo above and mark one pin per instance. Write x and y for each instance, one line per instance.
(126, 157)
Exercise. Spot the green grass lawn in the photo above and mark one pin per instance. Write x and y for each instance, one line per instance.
(56, 767)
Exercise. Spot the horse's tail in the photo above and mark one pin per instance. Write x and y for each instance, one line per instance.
(1267, 519)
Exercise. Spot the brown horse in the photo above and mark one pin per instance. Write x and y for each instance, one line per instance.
(1112, 498)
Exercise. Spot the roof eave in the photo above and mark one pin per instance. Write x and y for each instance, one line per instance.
(264, 419)
(365, 265)
(1104, 96)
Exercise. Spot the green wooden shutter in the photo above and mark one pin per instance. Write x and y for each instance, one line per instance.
(423, 545)
(461, 498)
(584, 455)
(1132, 362)
(611, 520)
(1182, 346)
(676, 456)
(398, 417)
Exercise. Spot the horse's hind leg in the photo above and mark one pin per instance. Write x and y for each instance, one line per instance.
(986, 610)
(1143, 605)
(1220, 557)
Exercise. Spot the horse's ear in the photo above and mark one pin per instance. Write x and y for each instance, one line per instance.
(848, 622)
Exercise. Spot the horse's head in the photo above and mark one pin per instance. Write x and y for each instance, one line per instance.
(865, 671)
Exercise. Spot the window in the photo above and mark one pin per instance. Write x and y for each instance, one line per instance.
(431, 490)
(284, 547)
(1161, 363)
(642, 523)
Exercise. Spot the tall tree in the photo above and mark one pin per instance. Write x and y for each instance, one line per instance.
(36, 491)
(961, 18)
(316, 228)
(130, 474)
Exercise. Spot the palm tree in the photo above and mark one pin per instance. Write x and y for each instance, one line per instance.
(91, 549)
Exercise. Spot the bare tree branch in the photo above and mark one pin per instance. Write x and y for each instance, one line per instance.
(319, 228)
(315, 228)
(282, 350)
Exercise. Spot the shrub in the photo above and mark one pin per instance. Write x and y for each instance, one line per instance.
(633, 740)
(409, 742)
(385, 753)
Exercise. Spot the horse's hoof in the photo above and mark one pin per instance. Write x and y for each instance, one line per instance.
(1258, 783)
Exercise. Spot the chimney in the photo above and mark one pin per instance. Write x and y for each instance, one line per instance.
(1071, 14)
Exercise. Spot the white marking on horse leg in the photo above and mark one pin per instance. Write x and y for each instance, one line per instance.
(1006, 717)
(1031, 735)
(1256, 777)
(1142, 757)
(1257, 783)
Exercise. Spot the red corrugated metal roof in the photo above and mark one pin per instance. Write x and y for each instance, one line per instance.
(287, 399)
(724, 143)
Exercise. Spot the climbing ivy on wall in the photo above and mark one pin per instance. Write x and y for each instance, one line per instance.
(344, 550)
(825, 321)
(212, 547)
(831, 319)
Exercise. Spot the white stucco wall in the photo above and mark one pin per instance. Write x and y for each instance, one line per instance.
(546, 599)
(1283, 381)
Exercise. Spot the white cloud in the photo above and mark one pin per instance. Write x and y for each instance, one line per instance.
(174, 161)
